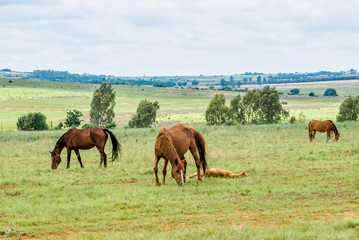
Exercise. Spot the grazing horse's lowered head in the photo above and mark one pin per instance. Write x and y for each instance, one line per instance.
(177, 172)
(55, 159)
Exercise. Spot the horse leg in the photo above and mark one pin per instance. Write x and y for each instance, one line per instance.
(155, 168)
(198, 162)
(184, 162)
(68, 157)
(164, 171)
(314, 134)
(328, 136)
(103, 156)
(79, 157)
(310, 136)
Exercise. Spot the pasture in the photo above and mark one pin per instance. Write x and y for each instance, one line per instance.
(294, 189)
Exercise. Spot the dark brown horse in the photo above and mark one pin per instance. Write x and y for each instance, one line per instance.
(172, 144)
(323, 126)
(75, 139)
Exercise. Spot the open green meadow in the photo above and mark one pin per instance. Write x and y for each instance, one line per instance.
(294, 189)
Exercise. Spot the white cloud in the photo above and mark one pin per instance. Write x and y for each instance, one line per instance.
(158, 37)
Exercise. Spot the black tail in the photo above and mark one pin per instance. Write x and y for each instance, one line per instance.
(335, 128)
(116, 146)
(201, 148)
(310, 136)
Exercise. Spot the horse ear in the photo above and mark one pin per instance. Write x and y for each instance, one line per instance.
(50, 152)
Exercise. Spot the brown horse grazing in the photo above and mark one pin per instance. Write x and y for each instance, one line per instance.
(323, 126)
(75, 139)
(172, 144)
(216, 172)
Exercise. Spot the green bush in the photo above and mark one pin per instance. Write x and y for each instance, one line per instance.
(89, 125)
(32, 121)
(110, 125)
(294, 91)
(330, 92)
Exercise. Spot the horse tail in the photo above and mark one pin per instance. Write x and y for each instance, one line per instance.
(335, 128)
(309, 128)
(201, 148)
(116, 146)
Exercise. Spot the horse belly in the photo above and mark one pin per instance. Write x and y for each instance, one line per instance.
(83, 143)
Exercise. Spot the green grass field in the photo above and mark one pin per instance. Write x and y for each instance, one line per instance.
(295, 189)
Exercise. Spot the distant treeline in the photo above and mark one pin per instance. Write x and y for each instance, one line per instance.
(234, 81)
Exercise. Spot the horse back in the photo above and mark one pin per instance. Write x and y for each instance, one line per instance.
(321, 126)
(85, 138)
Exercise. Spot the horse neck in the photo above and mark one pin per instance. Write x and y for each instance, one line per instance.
(59, 145)
(169, 150)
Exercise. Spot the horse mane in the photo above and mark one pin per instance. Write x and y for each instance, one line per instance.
(335, 128)
(60, 139)
(163, 132)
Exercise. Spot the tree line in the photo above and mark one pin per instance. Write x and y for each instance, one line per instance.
(255, 107)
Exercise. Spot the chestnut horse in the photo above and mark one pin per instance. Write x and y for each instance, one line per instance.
(216, 172)
(75, 139)
(172, 144)
(323, 126)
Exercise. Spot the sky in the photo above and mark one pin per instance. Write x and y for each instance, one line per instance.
(179, 37)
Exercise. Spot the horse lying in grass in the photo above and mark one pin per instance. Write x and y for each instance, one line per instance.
(75, 139)
(172, 144)
(323, 126)
(216, 172)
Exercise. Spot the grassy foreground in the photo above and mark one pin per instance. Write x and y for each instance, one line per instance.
(295, 189)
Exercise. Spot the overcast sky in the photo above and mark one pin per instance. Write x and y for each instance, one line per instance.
(179, 37)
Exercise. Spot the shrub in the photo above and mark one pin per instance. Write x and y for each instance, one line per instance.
(330, 92)
(294, 91)
(89, 125)
(59, 126)
(110, 125)
(312, 94)
(292, 120)
(32, 121)
(72, 119)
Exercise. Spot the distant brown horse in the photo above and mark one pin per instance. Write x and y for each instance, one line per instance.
(323, 126)
(172, 144)
(216, 172)
(75, 139)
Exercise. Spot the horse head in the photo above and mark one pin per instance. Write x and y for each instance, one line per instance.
(337, 136)
(55, 158)
(178, 172)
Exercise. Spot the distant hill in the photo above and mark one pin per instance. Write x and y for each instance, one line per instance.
(214, 81)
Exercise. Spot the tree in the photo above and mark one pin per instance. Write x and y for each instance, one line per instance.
(32, 121)
(312, 94)
(236, 111)
(224, 83)
(270, 108)
(145, 115)
(259, 80)
(72, 119)
(195, 83)
(294, 91)
(102, 105)
(349, 110)
(217, 110)
(330, 92)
